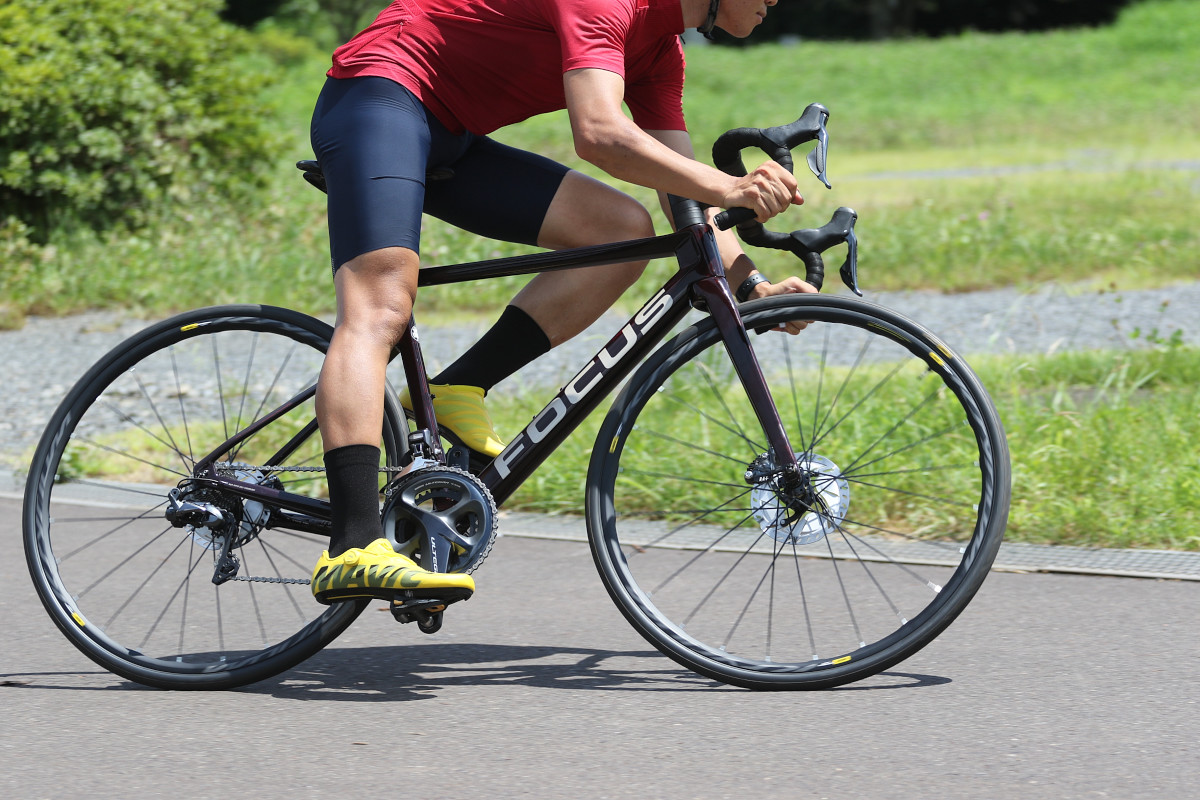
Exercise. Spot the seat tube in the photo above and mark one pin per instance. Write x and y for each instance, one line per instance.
(409, 349)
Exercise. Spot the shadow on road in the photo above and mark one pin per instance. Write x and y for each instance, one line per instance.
(418, 672)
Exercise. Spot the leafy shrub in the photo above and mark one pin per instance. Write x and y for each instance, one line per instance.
(108, 108)
(286, 48)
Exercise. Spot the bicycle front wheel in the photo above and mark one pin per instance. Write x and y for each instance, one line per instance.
(758, 580)
(131, 590)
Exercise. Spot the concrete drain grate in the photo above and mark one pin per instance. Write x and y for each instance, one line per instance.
(1168, 564)
(1013, 556)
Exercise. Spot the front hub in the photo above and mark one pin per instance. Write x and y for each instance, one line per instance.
(802, 509)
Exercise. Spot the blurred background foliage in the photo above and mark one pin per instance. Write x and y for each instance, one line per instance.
(812, 19)
(147, 151)
(887, 19)
(108, 107)
(127, 129)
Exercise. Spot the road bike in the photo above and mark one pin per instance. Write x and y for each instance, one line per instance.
(772, 511)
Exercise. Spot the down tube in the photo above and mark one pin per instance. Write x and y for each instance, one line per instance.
(588, 388)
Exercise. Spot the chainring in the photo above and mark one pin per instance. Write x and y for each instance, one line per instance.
(444, 502)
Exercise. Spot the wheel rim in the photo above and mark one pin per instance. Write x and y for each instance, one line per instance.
(896, 438)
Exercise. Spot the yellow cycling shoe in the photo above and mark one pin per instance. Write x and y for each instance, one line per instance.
(460, 412)
(379, 571)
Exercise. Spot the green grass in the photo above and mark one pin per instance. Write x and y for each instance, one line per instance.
(1102, 445)
(1085, 122)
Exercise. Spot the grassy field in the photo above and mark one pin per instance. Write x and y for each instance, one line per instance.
(975, 161)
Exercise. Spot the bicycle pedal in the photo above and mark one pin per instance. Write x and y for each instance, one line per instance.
(425, 611)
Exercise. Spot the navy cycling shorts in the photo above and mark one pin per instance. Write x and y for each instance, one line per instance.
(375, 142)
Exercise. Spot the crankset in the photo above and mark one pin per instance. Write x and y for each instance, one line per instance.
(443, 518)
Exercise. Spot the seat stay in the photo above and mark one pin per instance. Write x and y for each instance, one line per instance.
(230, 445)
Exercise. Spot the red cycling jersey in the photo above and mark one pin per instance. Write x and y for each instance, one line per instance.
(479, 65)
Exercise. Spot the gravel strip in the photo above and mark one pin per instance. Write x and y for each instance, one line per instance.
(46, 356)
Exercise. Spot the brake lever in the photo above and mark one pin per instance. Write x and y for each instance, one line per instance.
(819, 155)
(840, 228)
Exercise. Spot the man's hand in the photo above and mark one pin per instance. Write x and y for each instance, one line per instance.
(790, 285)
(768, 190)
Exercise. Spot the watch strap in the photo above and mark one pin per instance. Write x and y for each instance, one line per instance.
(743, 292)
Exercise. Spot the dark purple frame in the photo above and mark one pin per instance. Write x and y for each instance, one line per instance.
(700, 281)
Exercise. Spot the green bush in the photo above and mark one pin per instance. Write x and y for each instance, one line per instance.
(110, 108)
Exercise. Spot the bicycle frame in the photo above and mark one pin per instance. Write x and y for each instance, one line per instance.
(700, 282)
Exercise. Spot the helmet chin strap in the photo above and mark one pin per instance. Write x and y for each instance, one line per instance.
(711, 20)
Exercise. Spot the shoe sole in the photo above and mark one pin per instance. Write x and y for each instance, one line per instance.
(446, 594)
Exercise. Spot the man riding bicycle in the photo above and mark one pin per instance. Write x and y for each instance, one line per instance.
(419, 90)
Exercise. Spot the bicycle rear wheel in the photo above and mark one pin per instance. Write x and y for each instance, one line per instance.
(135, 593)
(741, 577)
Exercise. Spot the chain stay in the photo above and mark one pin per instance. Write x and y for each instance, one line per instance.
(233, 467)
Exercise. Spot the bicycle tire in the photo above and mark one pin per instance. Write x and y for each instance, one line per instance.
(908, 480)
(136, 594)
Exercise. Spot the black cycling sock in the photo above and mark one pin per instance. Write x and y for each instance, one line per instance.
(514, 341)
(353, 473)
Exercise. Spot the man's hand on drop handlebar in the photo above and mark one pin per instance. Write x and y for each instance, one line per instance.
(767, 190)
(789, 285)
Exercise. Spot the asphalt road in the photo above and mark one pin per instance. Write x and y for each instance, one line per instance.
(1049, 686)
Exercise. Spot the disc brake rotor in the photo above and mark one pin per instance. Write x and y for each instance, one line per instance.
(807, 514)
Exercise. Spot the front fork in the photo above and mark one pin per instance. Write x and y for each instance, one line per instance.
(713, 291)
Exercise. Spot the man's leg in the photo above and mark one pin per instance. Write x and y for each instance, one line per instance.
(584, 212)
(374, 303)
(374, 295)
(555, 306)
(372, 138)
(551, 309)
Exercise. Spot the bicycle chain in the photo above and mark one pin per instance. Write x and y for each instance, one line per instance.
(232, 468)
(256, 579)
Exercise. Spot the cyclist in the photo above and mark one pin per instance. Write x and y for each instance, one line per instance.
(419, 90)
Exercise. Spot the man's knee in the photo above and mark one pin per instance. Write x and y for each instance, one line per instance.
(630, 220)
(622, 221)
(376, 292)
(588, 212)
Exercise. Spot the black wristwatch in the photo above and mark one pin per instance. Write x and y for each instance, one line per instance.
(743, 292)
